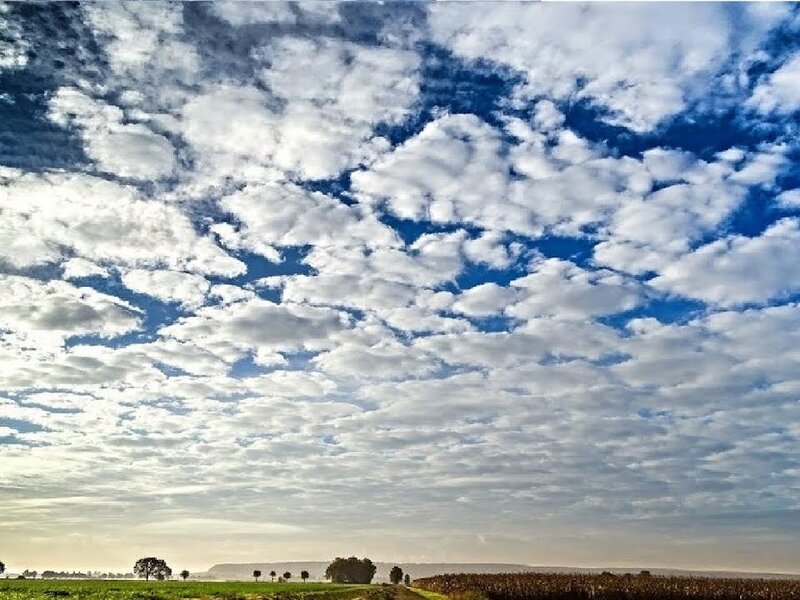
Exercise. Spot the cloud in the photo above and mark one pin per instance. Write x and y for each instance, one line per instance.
(75, 268)
(245, 13)
(559, 288)
(739, 270)
(445, 173)
(13, 48)
(779, 92)
(276, 215)
(789, 198)
(311, 126)
(694, 198)
(127, 150)
(230, 331)
(388, 262)
(187, 289)
(99, 221)
(484, 299)
(642, 65)
(144, 40)
(30, 306)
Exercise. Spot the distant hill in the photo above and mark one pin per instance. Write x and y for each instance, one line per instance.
(243, 571)
(317, 569)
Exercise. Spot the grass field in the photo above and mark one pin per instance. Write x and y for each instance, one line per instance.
(53, 589)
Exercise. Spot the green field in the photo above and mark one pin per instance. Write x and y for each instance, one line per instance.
(87, 589)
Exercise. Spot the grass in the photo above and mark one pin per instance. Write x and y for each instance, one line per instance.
(90, 589)
(428, 595)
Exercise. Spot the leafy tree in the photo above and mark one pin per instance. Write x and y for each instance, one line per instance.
(272, 575)
(2, 567)
(29, 574)
(407, 579)
(184, 574)
(350, 570)
(256, 574)
(287, 576)
(304, 575)
(152, 567)
(396, 575)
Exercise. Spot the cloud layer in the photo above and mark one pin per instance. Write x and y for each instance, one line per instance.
(427, 282)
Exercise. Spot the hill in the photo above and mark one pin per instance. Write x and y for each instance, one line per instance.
(236, 571)
(244, 571)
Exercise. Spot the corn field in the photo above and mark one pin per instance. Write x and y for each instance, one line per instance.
(547, 586)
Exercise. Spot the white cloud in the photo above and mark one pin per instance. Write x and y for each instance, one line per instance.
(737, 269)
(231, 126)
(457, 169)
(641, 63)
(361, 83)
(238, 12)
(488, 248)
(187, 289)
(559, 288)
(13, 48)
(275, 215)
(383, 360)
(144, 40)
(127, 150)
(326, 96)
(248, 13)
(450, 171)
(373, 362)
(779, 92)
(231, 330)
(651, 230)
(99, 221)
(484, 299)
(75, 268)
(30, 306)
(789, 198)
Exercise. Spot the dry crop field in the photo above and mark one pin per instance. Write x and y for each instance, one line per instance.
(545, 586)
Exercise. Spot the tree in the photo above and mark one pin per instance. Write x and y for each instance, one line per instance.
(256, 575)
(2, 567)
(396, 575)
(287, 576)
(350, 570)
(272, 575)
(29, 574)
(184, 574)
(304, 575)
(407, 579)
(152, 567)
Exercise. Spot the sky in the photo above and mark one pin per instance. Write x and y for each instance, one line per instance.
(421, 282)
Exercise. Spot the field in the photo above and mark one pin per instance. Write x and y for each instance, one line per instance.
(539, 586)
(89, 589)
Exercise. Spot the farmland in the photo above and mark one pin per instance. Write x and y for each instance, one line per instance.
(13, 589)
(542, 586)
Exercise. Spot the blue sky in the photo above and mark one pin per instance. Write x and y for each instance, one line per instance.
(518, 282)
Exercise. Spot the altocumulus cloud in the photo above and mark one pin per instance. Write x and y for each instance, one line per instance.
(295, 277)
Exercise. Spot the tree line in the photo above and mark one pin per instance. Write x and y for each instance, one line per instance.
(340, 570)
